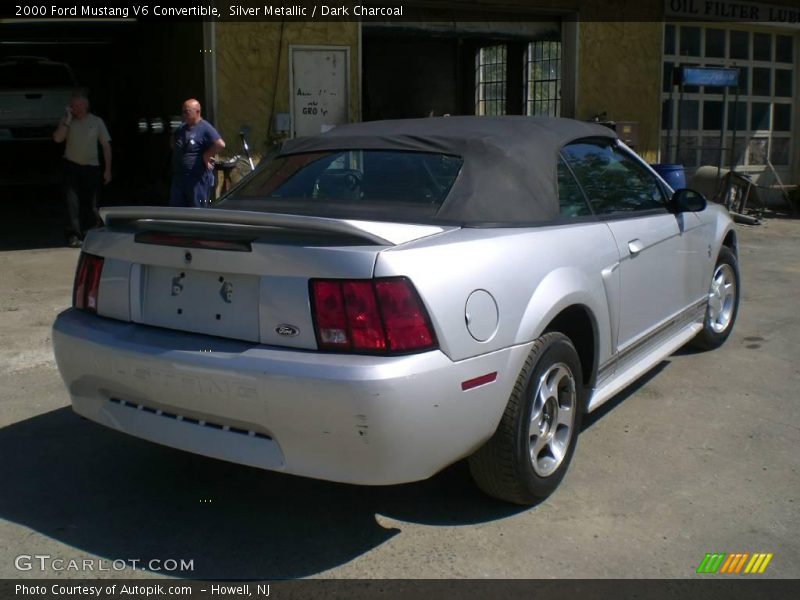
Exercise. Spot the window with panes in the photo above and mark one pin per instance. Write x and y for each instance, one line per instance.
(490, 80)
(541, 79)
(764, 115)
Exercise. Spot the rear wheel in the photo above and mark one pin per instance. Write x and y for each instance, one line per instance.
(528, 455)
(723, 302)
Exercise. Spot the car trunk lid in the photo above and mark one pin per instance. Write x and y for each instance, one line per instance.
(235, 274)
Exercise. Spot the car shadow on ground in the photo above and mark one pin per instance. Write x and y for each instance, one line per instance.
(117, 497)
(613, 402)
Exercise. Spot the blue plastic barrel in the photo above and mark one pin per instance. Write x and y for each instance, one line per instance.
(674, 175)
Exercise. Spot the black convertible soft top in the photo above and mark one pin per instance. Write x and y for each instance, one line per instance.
(509, 173)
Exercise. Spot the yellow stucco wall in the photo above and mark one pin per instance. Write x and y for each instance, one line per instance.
(247, 55)
(619, 73)
(619, 66)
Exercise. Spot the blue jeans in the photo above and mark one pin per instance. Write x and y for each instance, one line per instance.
(191, 189)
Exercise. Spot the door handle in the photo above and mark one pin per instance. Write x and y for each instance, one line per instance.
(635, 246)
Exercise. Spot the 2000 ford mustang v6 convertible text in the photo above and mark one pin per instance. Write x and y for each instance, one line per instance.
(382, 300)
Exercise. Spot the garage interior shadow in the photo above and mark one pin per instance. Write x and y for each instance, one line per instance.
(33, 217)
(137, 74)
(117, 497)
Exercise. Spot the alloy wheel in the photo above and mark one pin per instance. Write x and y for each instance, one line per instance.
(552, 419)
(722, 298)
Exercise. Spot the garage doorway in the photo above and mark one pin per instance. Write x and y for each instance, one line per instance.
(134, 72)
(137, 75)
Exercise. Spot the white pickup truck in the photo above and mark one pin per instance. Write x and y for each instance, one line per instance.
(33, 94)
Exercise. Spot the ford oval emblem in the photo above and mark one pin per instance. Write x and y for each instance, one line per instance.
(287, 330)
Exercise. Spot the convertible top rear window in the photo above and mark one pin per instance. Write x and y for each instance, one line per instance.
(389, 184)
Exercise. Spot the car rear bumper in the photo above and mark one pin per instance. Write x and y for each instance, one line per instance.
(356, 419)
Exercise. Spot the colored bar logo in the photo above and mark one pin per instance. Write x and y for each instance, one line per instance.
(735, 563)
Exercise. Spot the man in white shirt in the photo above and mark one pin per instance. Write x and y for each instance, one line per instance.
(82, 132)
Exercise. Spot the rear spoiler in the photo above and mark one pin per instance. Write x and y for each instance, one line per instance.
(374, 232)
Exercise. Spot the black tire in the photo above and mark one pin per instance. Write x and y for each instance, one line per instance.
(504, 467)
(720, 318)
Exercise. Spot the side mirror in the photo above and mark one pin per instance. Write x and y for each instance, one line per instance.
(686, 200)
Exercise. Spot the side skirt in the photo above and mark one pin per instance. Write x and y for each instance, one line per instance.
(643, 363)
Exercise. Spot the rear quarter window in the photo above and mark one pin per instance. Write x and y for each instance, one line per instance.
(571, 201)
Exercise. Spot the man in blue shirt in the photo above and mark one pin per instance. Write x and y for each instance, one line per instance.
(194, 145)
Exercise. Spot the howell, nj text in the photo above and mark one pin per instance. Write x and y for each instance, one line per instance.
(239, 591)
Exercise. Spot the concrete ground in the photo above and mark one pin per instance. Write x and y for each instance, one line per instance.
(700, 456)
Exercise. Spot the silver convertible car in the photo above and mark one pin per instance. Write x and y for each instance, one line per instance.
(380, 301)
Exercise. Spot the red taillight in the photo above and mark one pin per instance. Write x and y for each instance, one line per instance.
(330, 319)
(87, 282)
(370, 315)
(363, 319)
(405, 319)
